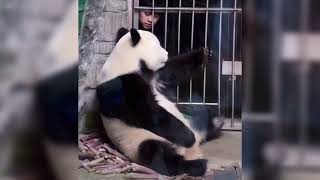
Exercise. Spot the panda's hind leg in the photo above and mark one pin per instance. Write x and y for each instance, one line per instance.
(163, 158)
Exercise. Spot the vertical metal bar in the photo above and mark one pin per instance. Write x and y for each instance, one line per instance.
(152, 23)
(190, 92)
(179, 24)
(166, 26)
(276, 75)
(204, 84)
(178, 94)
(304, 81)
(219, 58)
(192, 31)
(233, 59)
(192, 23)
(206, 26)
(205, 45)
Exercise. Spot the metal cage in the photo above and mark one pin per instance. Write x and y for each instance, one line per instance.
(205, 16)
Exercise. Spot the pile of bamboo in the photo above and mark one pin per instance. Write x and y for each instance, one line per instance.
(99, 157)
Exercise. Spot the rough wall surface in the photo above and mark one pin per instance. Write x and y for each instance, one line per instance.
(102, 19)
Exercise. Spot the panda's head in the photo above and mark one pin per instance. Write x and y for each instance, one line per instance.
(134, 47)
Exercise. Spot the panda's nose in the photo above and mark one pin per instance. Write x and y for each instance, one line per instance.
(166, 57)
(166, 53)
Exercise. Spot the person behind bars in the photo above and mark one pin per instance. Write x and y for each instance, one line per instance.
(146, 17)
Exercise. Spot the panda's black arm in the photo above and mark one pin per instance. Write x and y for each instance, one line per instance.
(169, 127)
(180, 68)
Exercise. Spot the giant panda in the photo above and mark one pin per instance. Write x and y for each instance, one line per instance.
(135, 91)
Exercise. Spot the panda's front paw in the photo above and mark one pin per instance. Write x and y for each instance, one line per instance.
(204, 56)
(194, 168)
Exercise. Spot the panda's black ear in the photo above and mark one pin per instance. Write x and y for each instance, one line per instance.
(135, 36)
(121, 32)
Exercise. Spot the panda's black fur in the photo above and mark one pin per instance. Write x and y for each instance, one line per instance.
(129, 100)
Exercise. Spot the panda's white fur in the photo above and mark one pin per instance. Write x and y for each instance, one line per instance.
(127, 138)
(125, 59)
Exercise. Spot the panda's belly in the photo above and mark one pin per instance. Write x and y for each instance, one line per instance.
(126, 138)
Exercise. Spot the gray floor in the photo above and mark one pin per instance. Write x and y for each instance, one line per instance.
(222, 152)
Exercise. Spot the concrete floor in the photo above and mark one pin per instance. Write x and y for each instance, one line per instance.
(222, 152)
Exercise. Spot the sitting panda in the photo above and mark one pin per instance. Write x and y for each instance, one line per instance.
(136, 89)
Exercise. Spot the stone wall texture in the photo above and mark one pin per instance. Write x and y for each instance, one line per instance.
(102, 19)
